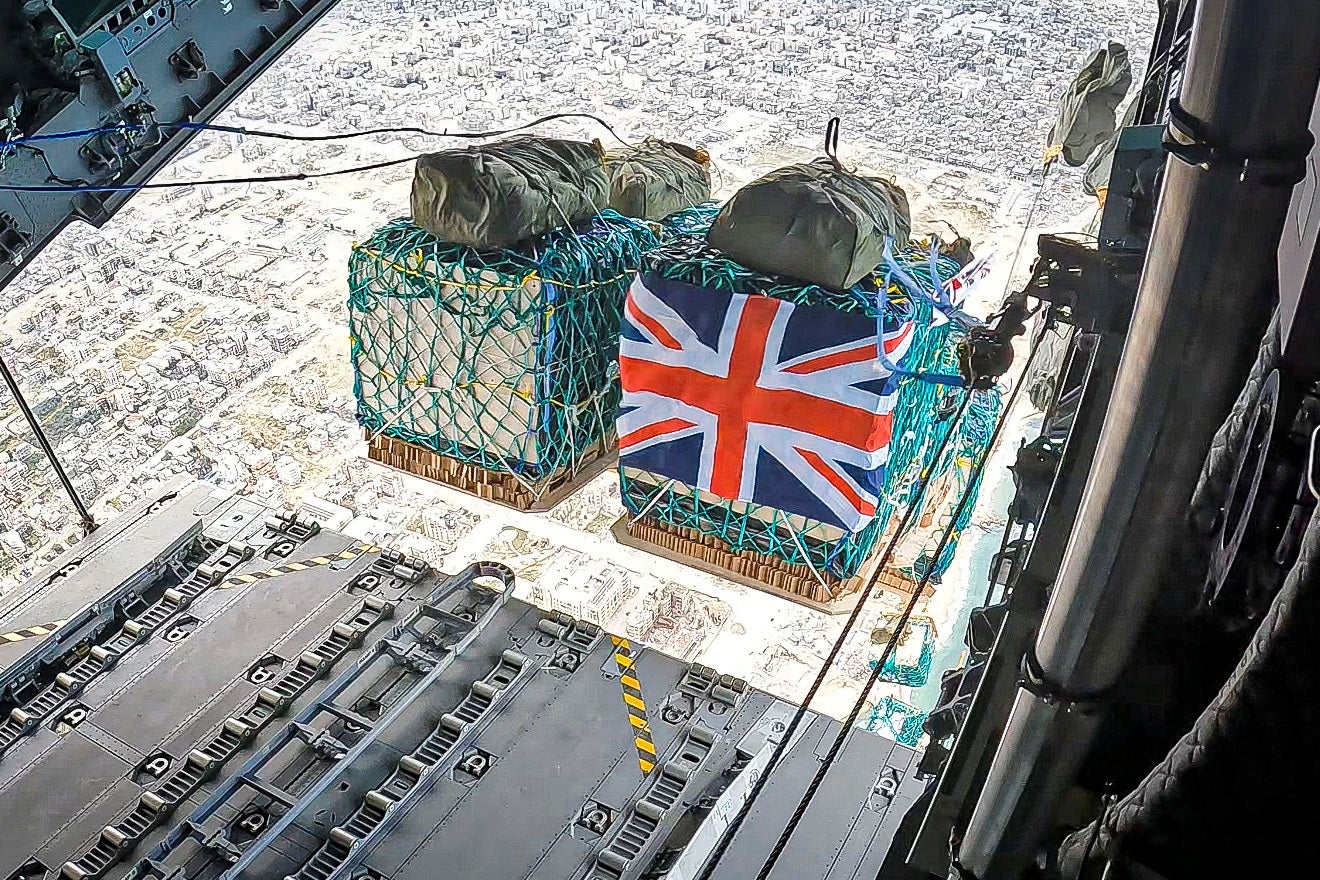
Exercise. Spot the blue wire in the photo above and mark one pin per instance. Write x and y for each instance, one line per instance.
(882, 309)
(940, 302)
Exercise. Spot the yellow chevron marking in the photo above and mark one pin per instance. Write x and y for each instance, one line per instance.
(295, 566)
(631, 688)
(38, 630)
(320, 560)
(11, 637)
(245, 578)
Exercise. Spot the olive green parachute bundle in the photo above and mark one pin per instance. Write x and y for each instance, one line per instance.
(1096, 180)
(496, 195)
(1086, 117)
(818, 222)
(657, 178)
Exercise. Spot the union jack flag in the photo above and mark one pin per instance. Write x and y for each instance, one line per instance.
(757, 399)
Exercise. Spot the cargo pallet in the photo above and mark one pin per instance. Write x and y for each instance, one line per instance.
(501, 487)
(766, 573)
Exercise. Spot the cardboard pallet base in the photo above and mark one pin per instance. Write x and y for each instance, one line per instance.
(502, 488)
(766, 573)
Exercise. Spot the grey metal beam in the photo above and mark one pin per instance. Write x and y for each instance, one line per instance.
(1250, 78)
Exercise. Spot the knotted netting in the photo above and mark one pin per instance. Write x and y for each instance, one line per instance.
(909, 664)
(690, 221)
(507, 359)
(927, 396)
(896, 720)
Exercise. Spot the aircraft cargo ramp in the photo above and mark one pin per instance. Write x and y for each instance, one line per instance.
(238, 694)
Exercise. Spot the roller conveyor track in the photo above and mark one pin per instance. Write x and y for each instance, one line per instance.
(412, 770)
(155, 807)
(136, 630)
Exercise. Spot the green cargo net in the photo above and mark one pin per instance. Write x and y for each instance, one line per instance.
(921, 417)
(507, 360)
(897, 720)
(972, 440)
(690, 221)
(909, 663)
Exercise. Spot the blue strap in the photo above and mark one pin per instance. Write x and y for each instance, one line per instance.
(940, 301)
(882, 311)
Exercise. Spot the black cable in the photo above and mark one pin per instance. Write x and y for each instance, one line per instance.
(846, 729)
(65, 187)
(34, 423)
(1108, 800)
(189, 125)
(470, 135)
(913, 506)
(177, 184)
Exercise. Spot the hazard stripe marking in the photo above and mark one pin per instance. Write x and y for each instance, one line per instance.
(45, 629)
(239, 579)
(635, 704)
(32, 632)
(290, 567)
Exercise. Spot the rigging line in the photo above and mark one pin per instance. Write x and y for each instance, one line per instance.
(846, 729)
(908, 514)
(189, 125)
(177, 184)
(270, 178)
(88, 523)
(1022, 239)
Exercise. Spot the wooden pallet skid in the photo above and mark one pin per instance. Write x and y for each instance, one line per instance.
(768, 573)
(500, 487)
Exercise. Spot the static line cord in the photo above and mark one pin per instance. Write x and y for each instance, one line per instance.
(846, 729)
(188, 125)
(913, 506)
(179, 184)
(269, 178)
(88, 524)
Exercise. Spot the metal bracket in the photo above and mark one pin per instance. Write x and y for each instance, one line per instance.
(112, 58)
(14, 241)
(288, 525)
(1035, 682)
(188, 61)
(1094, 285)
(413, 657)
(322, 742)
(216, 841)
(1282, 165)
(703, 681)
